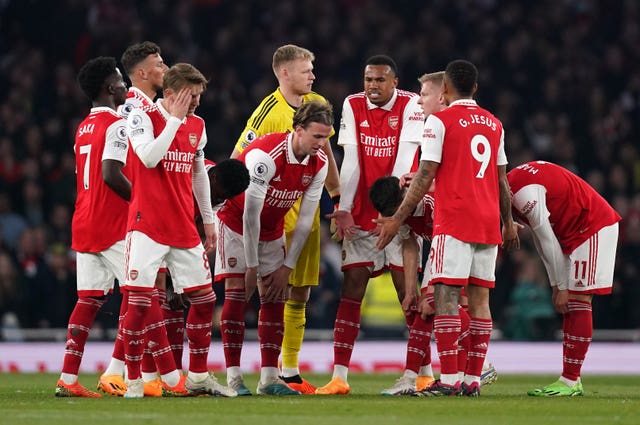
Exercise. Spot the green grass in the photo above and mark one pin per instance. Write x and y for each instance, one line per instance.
(28, 399)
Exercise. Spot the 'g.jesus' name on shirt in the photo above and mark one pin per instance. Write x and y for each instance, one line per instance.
(178, 162)
(378, 146)
(282, 198)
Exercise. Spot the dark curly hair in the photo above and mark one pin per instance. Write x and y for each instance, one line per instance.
(94, 73)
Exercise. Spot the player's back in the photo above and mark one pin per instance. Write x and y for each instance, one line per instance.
(576, 210)
(99, 219)
(467, 193)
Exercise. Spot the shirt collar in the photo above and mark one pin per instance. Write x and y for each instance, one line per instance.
(464, 102)
(140, 93)
(387, 106)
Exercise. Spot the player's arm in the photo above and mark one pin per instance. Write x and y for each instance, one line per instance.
(410, 256)
(308, 208)
(544, 238)
(332, 182)
(152, 149)
(202, 193)
(261, 170)
(410, 138)
(114, 158)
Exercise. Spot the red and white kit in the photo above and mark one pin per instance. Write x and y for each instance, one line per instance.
(574, 228)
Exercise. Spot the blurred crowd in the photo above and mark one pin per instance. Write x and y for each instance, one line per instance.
(562, 75)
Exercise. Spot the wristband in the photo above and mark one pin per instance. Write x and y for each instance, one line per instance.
(336, 200)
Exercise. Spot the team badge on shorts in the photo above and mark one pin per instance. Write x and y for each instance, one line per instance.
(306, 179)
(193, 139)
(233, 261)
(393, 121)
(133, 274)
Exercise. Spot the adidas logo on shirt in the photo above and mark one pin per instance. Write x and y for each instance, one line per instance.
(276, 179)
(364, 123)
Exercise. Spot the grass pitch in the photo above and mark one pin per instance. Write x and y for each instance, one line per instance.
(27, 399)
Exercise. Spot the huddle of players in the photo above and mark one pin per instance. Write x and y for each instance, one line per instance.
(382, 126)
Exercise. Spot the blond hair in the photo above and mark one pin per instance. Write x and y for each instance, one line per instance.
(434, 77)
(288, 53)
(181, 75)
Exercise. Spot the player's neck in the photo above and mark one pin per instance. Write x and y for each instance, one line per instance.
(102, 103)
(292, 98)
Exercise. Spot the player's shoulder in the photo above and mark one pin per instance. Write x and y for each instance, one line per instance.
(357, 97)
(311, 96)
(407, 94)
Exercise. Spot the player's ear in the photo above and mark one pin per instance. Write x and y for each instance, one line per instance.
(111, 90)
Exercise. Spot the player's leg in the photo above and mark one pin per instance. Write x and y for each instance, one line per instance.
(230, 268)
(481, 280)
(271, 321)
(173, 309)
(94, 281)
(302, 278)
(591, 267)
(191, 274)
(144, 256)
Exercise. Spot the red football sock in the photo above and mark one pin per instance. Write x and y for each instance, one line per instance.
(199, 322)
(174, 324)
(464, 340)
(133, 329)
(156, 339)
(118, 346)
(419, 344)
(577, 337)
(232, 325)
(80, 322)
(447, 332)
(270, 331)
(480, 330)
(345, 330)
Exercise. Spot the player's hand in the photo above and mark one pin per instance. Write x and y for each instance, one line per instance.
(560, 300)
(250, 282)
(409, 303)
(210, 237)
(276, 284)
(388, 229)
(510, 238)
(178, 104)
(406, 179)
(175, 301)
(425, 306)
(345, 226)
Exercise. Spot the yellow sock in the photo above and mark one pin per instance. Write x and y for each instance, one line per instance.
(294, 321)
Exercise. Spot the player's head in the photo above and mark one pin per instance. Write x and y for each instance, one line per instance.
(431, 99)
(184, 75)
(101, 78)
(460, 80)
(144, 65)
(228, 178)
(380, 79)
(312, 125)
(386, 195)
(293, 66)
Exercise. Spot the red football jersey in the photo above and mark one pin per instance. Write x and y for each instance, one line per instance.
(162, 197)
(288, 180)
(576, 210)
(377, 132)
(468, 143)
(421, 222)
(99, 219)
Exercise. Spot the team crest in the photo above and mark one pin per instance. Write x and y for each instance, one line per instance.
(393, 122)
(233, 261)
(133, 274)
(306, 179)
(193, 139)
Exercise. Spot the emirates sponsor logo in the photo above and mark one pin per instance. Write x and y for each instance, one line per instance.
(393, 122)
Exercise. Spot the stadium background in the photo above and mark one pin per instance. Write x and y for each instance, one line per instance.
(562, 76)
